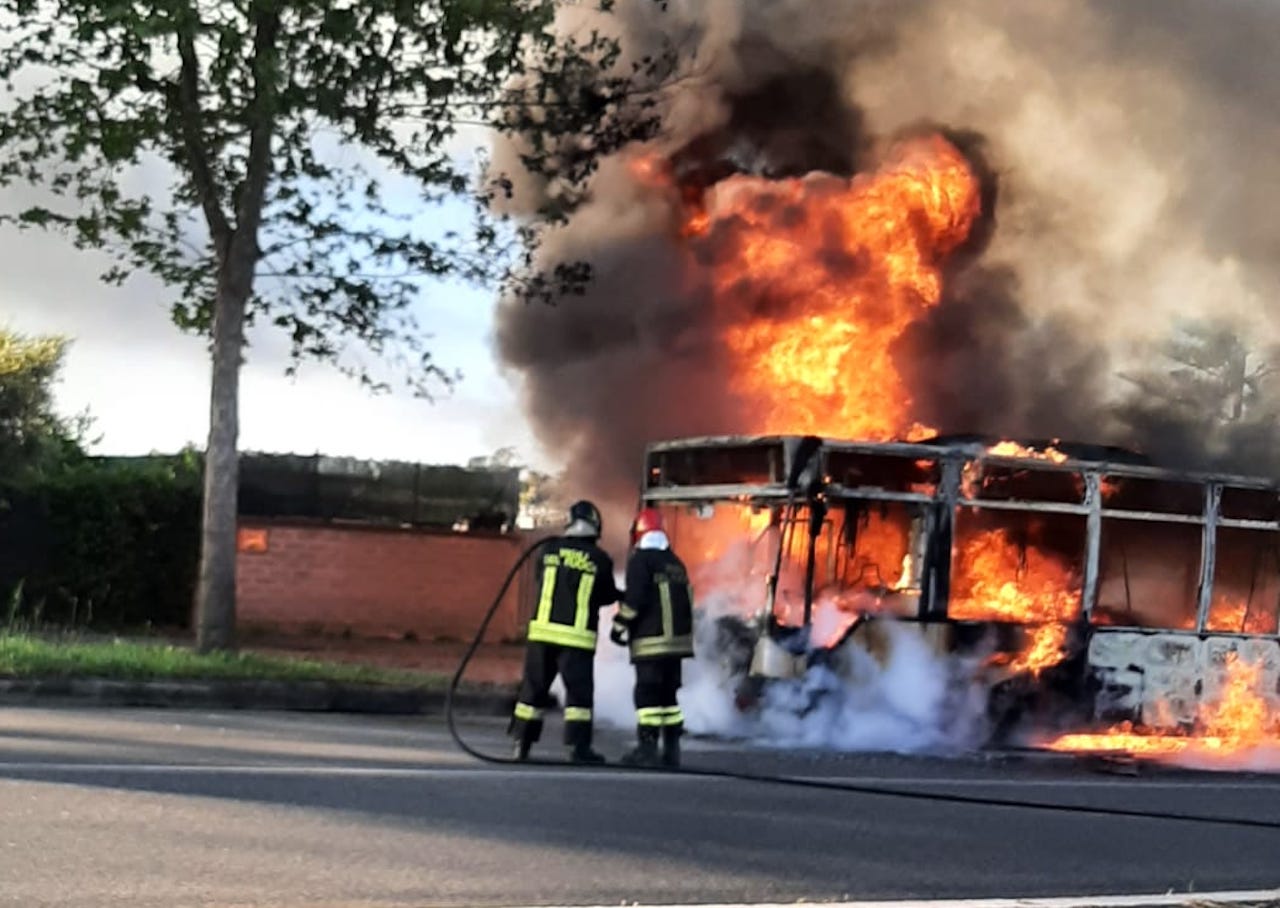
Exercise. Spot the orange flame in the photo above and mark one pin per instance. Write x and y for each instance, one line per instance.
(815, 281)
(705, 542)
(845, 267)
(1046, 648)
(1234, 615)
(1013, 449)
(1238, 719)
(971, 479)
(881, 557)
(996, 580)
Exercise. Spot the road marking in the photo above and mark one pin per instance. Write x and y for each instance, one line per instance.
(615, 775)
(1136, 784)
(310, 770)
(1264, 896)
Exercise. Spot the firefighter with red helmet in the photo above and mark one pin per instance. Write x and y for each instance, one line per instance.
(655, 621)
(575, 579)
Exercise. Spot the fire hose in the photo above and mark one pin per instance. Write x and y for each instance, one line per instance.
(793, 781)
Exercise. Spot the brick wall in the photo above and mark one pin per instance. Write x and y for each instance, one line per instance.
(373, 581)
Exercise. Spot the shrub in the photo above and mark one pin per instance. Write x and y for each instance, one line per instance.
(103, 543)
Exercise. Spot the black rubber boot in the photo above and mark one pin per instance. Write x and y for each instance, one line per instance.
(582, 753)
(525, 735)
(671, 746)
(578, 740)
(645, 752)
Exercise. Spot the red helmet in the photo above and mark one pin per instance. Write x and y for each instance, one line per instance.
(648, 520)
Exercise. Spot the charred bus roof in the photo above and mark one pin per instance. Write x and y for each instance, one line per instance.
(1120, 503)
(729, 466)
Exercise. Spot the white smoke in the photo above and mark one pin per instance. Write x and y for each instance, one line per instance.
(884, 689)
(908, 700)
(906, 705)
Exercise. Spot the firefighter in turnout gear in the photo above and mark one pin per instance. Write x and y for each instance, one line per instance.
(655, 621)
(575, 578)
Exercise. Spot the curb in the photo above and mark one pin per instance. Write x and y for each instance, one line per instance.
(1260, 898)
(299, 696)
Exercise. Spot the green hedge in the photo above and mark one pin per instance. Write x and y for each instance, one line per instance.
(103, 544)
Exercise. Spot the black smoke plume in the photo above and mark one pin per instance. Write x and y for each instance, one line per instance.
(1129, 186)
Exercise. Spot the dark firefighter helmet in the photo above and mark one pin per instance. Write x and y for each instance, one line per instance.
(583, 517)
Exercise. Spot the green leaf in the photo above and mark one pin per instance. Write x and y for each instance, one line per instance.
(336, 86)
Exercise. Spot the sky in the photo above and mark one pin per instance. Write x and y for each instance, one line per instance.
(146, 384)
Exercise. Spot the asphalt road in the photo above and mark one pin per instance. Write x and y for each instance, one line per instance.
(168, 808)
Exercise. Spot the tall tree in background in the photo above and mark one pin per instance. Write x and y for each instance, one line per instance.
(503, 458)
(274, 120)
(31, 433)
(540, 493)
(1212, 374)
(1209, 396)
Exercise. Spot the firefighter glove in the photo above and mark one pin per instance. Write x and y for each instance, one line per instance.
(619, 633)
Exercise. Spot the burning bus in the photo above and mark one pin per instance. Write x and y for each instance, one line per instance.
(1095, 587)
(763, 276)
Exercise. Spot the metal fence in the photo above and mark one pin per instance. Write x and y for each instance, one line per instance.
(336, 488)
(386, 492)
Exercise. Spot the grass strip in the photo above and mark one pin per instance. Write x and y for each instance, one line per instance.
(33, 656)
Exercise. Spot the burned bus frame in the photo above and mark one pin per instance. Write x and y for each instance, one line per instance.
(1151, 674)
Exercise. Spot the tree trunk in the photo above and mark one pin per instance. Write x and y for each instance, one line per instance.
(237, 259)
(216, 589)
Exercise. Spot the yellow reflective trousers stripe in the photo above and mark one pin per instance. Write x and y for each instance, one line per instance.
(571, 713)
(659, 716)
(654, 716)
(527, 712)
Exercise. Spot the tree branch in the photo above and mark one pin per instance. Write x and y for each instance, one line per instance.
(192, 118)
(261, 120)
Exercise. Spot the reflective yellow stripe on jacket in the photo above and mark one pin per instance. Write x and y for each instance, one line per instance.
(661, 646)
(543, 630)
(669, 643)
